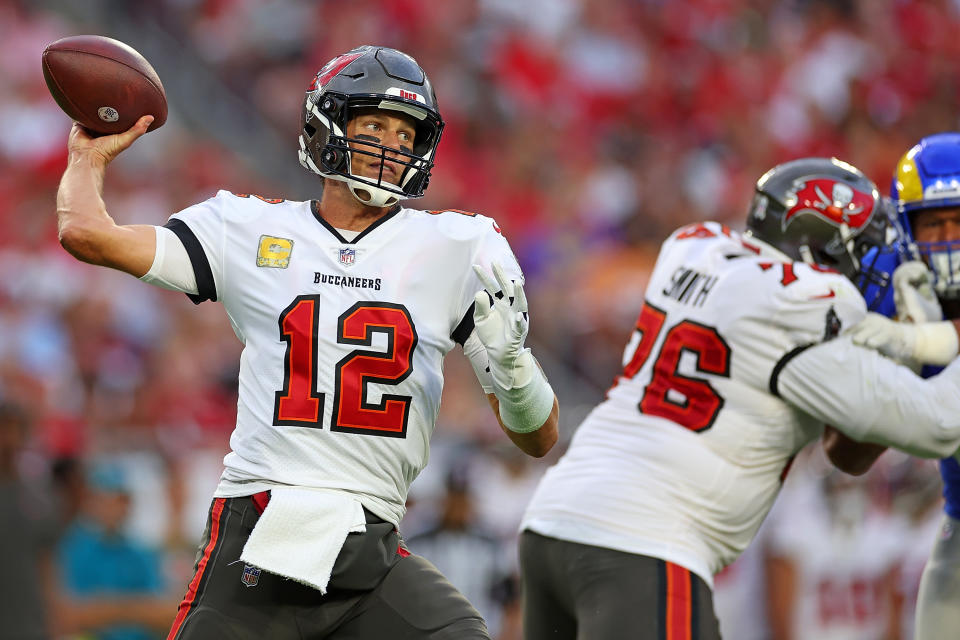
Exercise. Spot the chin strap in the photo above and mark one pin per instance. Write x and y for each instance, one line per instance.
(378, 197)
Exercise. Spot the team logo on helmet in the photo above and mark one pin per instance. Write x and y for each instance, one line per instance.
(331, 69)
(843, 205)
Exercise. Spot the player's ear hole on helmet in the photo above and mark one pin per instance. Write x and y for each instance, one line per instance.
(332, 157)
(330, 105)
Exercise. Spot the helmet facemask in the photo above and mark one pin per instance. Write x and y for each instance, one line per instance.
(943, 259)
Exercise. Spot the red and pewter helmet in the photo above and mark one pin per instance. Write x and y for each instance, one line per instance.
(824, 211)
(370, 77)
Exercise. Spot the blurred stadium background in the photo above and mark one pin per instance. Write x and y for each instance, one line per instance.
(589, 129)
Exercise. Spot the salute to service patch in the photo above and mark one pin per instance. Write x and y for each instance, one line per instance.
(274, 252)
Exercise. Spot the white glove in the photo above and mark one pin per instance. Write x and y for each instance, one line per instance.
(524, 395)
(913, 294)
(893, 339)
(503, 327)
(927, 343)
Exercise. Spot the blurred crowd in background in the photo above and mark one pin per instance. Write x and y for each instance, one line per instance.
(589, 129)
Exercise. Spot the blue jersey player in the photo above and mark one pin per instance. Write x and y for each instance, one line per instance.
(926, 190)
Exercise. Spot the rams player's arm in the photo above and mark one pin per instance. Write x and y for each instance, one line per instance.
(85, 228)
(535, 443)
(847, 454)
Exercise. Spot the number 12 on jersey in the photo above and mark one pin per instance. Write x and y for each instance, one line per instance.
(299, 403)
(689, 401)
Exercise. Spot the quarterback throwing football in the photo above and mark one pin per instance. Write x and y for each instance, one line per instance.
(346, 307)
(739, 359)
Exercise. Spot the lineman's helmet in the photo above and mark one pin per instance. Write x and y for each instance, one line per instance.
(823, 211)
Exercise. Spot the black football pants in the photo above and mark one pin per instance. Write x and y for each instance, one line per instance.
(377, 590)
(576, 591)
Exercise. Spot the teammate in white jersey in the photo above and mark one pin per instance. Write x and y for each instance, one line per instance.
(738, 360)
(346, 307)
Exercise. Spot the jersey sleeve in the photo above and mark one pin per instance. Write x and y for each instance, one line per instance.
(491, 247)
(201, 229)
(818, 306)
(171, 268)
(871, 398)
(814, 309)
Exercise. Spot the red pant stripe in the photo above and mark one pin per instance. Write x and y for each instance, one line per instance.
(679, 604)
(189, 600)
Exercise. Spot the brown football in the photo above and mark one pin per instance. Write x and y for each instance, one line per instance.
(103, 84)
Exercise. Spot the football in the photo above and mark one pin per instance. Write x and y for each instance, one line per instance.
(103, 84)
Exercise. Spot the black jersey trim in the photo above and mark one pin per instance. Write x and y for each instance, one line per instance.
(694, 605)
(661, 599)
(790, 355)
(465, 328)
(315, 209)
(206, 287)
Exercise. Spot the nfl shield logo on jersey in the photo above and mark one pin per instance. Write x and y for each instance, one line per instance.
(348, 257)
(251, 575)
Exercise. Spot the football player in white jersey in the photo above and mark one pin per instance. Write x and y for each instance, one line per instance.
(739, 359)
(346, 307)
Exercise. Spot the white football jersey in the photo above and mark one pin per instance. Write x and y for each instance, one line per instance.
(342, 367)
(686, 455)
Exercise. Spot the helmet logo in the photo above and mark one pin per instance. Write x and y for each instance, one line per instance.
(843, 205)
(331, 69)
(405, 94)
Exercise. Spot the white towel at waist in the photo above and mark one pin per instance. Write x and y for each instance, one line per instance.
(300, 533)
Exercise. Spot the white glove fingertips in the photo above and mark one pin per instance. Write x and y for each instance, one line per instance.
(488, 283)
(506, 284)
(481, 306)
(520, 298)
